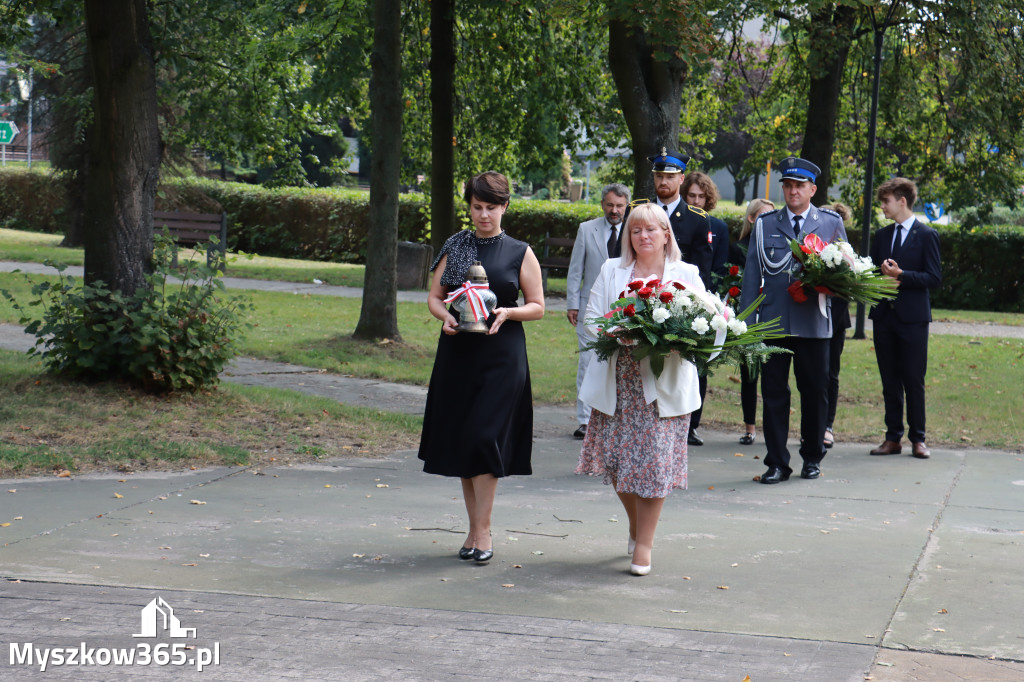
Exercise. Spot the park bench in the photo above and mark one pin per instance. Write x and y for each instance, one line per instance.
(192, 229)
(548, 261)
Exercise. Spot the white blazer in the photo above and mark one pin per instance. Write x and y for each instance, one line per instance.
(676, 390)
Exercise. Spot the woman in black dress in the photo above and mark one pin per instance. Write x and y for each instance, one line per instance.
(478, 422)
(738, 256)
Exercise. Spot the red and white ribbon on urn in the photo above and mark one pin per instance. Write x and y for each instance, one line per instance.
(474, 299)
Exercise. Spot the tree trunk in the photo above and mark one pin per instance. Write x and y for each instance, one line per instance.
(124, 153)
(830, 33)
(378, 316)
(739, 184)
(650, 93)
(442, 121)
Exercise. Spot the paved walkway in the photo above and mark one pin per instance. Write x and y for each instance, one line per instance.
(886, 568)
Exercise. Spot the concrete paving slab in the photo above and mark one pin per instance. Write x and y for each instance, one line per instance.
(263, 638)
(48, 504)
(732, 555)
(967, 594)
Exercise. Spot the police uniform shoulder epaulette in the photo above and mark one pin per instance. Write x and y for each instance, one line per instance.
(699, 211)
(830, 212)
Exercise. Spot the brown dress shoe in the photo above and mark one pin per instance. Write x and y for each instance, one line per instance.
(921, 451)
(889, 447)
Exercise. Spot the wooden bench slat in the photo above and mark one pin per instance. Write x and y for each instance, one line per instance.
(182, 216)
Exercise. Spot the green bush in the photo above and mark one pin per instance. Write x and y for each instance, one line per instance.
(169, 336)
(32, 201)
(981, 269)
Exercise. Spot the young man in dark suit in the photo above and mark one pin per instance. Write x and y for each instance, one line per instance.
(907, 251)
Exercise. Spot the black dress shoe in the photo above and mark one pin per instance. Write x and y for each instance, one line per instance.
(482, 556)
(579, 433)
(693, 438)
(810, 470)
(466, 553)
(747, 439)
(775, 475)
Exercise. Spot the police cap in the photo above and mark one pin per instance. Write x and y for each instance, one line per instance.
(668, 161)
(800, 170)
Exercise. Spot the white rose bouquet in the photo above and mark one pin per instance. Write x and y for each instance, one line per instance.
(836, 270)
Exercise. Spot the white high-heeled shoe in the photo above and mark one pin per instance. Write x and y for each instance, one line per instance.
(639, 570)
(630, 546)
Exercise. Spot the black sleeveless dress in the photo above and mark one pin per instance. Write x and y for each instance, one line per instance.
(479, 413)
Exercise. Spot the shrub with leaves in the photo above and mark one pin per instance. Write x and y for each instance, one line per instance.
(177, 334)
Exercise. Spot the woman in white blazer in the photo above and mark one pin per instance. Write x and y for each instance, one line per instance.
(639, 424)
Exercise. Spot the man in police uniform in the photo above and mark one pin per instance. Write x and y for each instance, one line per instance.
(771, 269)
(689, 223)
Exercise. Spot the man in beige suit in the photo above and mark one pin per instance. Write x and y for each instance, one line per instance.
(596, 241)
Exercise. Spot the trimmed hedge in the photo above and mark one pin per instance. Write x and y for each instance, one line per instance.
(982, 269)
(32, 201)
(981, 266)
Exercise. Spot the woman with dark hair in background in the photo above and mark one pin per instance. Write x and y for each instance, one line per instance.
(478, 421)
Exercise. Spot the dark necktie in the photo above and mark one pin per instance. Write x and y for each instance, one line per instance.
(613, 243)
(796, 225)
(897, 243)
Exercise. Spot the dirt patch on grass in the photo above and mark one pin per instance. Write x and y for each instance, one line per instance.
(48, 425)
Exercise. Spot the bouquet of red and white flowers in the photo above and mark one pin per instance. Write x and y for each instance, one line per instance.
(655, 318)
(836, 270)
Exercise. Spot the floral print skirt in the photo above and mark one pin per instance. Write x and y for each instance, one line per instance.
(636, 450)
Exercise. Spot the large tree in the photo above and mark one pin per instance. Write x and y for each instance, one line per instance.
(124, 148)
(378, 316)
(650, 54)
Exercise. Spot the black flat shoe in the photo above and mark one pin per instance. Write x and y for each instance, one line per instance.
(747, 439)
(482, 556)
(466, 553)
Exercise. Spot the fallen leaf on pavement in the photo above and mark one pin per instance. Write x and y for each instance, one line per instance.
(196, 502)
(118, 496)
(723, 587)
(508, 585)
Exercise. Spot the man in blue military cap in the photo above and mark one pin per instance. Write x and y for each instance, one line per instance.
(770, 269)
(689, 223)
